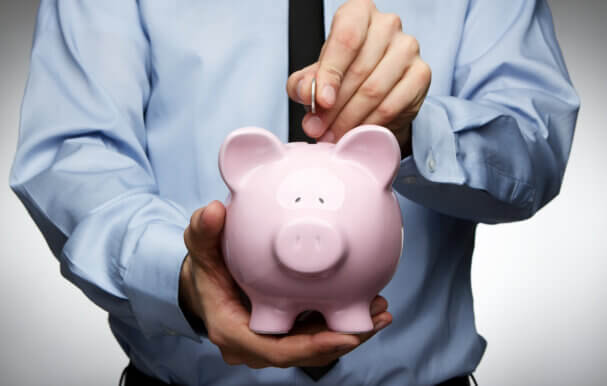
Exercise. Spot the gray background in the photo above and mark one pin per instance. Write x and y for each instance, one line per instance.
(539, 285)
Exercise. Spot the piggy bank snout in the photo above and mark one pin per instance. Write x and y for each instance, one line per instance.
(309, 246)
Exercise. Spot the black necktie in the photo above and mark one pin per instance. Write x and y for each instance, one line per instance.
(306, 36)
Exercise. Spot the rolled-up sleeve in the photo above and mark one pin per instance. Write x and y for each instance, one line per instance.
(81, 167)
(496, 149)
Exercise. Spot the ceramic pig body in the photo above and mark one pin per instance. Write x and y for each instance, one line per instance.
(311, 227)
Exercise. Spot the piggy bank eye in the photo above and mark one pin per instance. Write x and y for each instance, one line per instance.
(311, 188)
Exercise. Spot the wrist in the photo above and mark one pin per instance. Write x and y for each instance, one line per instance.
(187, 298)
(403, 136)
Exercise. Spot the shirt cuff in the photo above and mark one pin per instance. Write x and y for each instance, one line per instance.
(448, 174)
(152, 282)
(434, 156)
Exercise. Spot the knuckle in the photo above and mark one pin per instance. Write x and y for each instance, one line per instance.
(347, 35)
(215, 337)
(334, 73)
(414, 44)
(368, 4)
(425, 72)
(371, 90)
(408, 44)
(339, 16)
(393, 21)
(193, 218)
(359, 71)
(387, 111)
(187, 238)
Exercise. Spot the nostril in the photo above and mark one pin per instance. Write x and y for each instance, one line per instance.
(309, 246)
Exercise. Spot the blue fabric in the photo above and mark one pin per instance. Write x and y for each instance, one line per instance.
(127, 104)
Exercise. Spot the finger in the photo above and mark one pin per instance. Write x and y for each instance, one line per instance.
(400, 55)
(378, 305)
(405, 99)
(231, 358)
(234, 358)
(328, 136)
(292, 349)
(314, 322)
(323, 343)
(313, 125)
(348, 33)
(257, 364)
(299, 84)
(381, 30)
(205, 228)
(380, 321)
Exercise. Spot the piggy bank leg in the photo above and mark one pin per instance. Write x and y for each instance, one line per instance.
(354, 319)
(268, 319)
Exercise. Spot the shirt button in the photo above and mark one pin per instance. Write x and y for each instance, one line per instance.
(431, 164)
(170, 332)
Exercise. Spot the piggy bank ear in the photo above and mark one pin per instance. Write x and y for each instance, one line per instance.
(244, 150)
(375, 148)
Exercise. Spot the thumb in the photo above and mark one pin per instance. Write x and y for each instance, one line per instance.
(299, 84)
(204, 232)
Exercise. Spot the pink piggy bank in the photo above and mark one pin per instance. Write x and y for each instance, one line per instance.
(311, 226)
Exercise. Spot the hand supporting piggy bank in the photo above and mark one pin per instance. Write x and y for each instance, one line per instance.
(311, 226)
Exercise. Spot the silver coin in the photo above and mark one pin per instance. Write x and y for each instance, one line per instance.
(313, 102)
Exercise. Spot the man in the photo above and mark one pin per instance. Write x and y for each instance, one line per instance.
(128, 102)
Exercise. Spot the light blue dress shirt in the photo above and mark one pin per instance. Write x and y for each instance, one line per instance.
(127, 104)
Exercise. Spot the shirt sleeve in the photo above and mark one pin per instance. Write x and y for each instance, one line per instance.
(496, 149)
(81, 167)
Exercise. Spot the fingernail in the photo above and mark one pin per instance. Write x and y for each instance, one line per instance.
(328, 94)
(379, 325)
(201, 212)
(313, 126)
(328, 136)
(299, 89)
